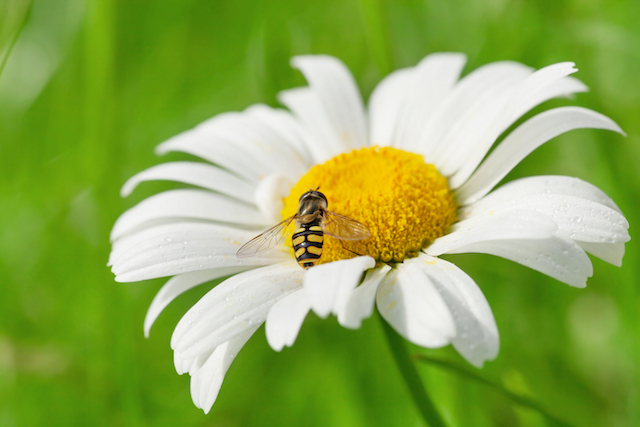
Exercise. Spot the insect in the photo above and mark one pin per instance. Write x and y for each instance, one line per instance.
(312, 222)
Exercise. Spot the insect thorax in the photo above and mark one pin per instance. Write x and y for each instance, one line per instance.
(312, 202)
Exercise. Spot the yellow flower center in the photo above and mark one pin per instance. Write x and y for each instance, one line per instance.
(404, 201)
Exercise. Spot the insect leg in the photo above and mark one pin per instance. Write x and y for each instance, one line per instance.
(347, 249)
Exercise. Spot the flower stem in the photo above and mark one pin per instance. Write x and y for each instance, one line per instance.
(516, 398)
(411, 377)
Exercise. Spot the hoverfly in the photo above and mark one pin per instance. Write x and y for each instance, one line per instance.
(312, 221)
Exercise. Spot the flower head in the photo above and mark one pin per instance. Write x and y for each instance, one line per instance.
(413, 167)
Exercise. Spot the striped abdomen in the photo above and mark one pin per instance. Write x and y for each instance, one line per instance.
(307, 243)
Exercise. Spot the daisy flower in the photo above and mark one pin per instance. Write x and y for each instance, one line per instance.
(415, 167)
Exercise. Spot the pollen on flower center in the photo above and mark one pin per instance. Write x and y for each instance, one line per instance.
(404, 201)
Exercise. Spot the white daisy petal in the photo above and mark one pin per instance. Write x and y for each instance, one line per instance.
(503, 111)
(339, 95)
(526, 237)
(577, 218)
(305, 105)
(411, 304)
(220, 152)
(179, 284)
(546, 83)
(402, 102)
(259, 140)
(188, 204)
(545, 184)
(194, 173)
(183, 247)
(143, 240)
(361, 301)
(285, 319)
(522, 141)
(558, 188)
(235, 305)
(240, 143)
(384, 105)
(206, 382)
(329, 285)
(181, 364)
(270, 194)
(609, 252)
(190, 365)
(282, 123)
(494, 225)
(434, 79)
(476, 331)
(555, 256)
(467, 101)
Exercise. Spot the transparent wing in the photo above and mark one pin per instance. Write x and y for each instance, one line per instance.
(265, 241)
(344, 228)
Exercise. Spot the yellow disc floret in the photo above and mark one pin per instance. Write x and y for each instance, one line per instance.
(404, 201)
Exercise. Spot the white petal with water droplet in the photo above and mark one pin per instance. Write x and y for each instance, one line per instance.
(545, 184)
(577, 218)
(235, 305)
(183, 247)
(526, 237)
(187, 204)
(494, 225)
(180, 284)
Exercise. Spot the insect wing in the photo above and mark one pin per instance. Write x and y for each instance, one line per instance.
(344, 228)
(265, 241)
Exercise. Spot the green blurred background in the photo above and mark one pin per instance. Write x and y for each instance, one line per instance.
(91, 86)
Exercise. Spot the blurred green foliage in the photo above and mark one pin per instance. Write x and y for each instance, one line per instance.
(91, 86)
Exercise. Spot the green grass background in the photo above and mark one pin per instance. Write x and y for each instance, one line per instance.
(91, 86)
